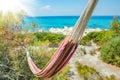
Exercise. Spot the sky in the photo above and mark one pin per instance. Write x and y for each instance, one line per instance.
(61, 7)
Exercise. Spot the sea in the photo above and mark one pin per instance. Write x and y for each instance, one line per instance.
(46, 22)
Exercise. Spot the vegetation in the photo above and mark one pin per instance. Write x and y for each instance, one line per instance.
(90, 73)
(109, 41)
(102, 37)
(111, 77)
(110, 51)
(51, 38)
(62, 75)
(115, 26)
(97, 37)
(85, 70)
(92, 52)
(13, 63)
(12, 60)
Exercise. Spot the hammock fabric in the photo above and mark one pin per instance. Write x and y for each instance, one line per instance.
(66, 49)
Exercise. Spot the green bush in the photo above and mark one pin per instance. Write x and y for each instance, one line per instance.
(62, 75)
(103, 36)
(97, 37)
(93, 52)
(111, 77)
(85, 40)
(85, 70)
(13, 62)
(52, 38)
(14, 66)
(110, 51)
(115, 25)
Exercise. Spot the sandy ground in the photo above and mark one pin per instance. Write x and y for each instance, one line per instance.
(66, 30)
(93, 61)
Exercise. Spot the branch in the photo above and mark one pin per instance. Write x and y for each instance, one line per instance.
(2, 65)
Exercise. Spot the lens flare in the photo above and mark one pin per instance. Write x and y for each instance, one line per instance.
(11, 5)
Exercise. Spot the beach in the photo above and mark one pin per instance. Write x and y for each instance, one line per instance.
(66, 30)
(94, 61)
(59, 40)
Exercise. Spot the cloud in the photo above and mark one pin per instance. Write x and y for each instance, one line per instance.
(46, 7)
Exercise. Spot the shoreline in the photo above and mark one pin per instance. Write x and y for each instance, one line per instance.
(66, 30)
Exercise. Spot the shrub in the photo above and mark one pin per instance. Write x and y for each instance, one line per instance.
(115, 25)
(41, 60)
(111, 77)
(110, 51)
(85, 70)
(93, 52)
(85, 40)
(49, 37)
(62, 75)
(52, 37)
(13, 63)
(97, 37)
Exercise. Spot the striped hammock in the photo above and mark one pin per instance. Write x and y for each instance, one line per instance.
(66, 49)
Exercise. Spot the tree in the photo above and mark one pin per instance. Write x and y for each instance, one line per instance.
(13, 63)
(115, 25)
(11, 38)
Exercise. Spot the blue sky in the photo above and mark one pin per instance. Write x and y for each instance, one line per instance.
(70, 7)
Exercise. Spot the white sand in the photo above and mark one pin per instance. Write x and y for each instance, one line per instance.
(67, 30)
(93, 61)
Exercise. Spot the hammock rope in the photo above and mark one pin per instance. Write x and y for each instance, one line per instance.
(66, 49)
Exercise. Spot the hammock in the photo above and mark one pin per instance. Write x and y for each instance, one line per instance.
(66, 49)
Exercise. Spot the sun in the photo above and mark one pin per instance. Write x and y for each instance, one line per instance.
(11, 5)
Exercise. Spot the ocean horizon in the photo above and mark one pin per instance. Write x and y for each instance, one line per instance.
(47, 22)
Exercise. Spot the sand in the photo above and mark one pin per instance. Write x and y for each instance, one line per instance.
(67, 30)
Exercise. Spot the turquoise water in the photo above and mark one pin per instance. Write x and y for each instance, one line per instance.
(47, 22)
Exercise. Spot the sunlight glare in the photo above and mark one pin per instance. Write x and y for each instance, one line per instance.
(11, 5)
